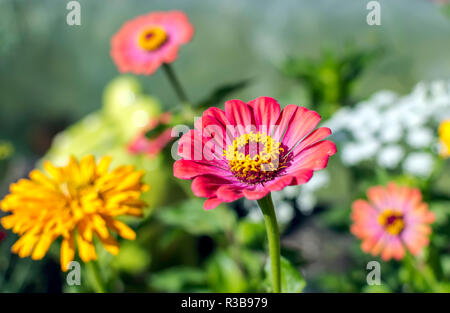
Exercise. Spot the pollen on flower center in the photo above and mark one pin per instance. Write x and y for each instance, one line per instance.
(152, 38)
(392, 221)
(256, 158)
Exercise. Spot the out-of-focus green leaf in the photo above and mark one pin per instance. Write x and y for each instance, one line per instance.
(253, 265)
(250, 233)
(377, 289)
(221, 92)
(441, 211)
(225, 274)
(131, 258)
(329, 80)
(179, 279)
(446, 9)
(291, 279)
(190, 216)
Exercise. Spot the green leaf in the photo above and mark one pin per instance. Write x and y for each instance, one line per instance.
(251, 233)
(190, 216)
(221, 92)
(291, 279)
(377, 289)
(225, 274)
(132, 258)
(178, 279)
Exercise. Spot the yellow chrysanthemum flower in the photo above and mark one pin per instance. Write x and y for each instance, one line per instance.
(75, 202)
(444, 138)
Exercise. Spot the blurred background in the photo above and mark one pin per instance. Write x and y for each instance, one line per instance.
(61, 94)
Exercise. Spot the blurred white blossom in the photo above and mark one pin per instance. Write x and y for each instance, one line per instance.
(390, 156)
(419, 164)
(387, 126)
(420, 137)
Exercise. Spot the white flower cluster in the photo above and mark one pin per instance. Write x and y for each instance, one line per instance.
(394, 131)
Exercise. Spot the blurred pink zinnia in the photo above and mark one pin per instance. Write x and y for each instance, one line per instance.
(251, 149)
(146, 42)
(394, 219)
(153, 145)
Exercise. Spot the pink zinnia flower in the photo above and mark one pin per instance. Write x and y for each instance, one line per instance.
(394, 219)
(251, 149)
(146, 42)
(153, 146)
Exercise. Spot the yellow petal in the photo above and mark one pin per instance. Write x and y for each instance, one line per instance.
(103, 165)
(110, 244)
(86, 249)
(67, 252)
(42, 247)
(54, 171)
(122, 229)
(41, 178)
(26, 245)
(100, 226)
(87, 168)
(132, 181)
(85, 229)
(72, 170)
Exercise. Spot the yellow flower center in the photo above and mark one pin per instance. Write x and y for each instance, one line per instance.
(444, 138)
(392, 221)
(255, 158)
(152, 38)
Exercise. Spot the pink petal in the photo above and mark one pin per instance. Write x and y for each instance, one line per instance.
(219, 115)
(314, 137)
(206, 185)
(399, 250)
(301, 177)
(186, 169)
(266, 111)
(213, 132)
(239, 114)
(211, 203)
(315, 157)
(279, 183)
(229, 193)
(284, 120)
(389, 248)
(303, 122)
(255, 195)
(377, 196)
(192, 146)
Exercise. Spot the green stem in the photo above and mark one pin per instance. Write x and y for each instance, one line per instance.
(176, 84)
(273, 236)
(99, 285)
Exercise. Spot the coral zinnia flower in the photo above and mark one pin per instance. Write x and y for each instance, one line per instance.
(81, 196)
(148, 41)
(395, 217)
(151, 146)
(444, 138)
(252, 149)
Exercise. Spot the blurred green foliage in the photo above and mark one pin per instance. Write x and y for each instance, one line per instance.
(330, 79)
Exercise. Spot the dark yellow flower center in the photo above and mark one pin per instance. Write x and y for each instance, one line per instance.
(256, 158)
(152, 38)
(392, 221)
